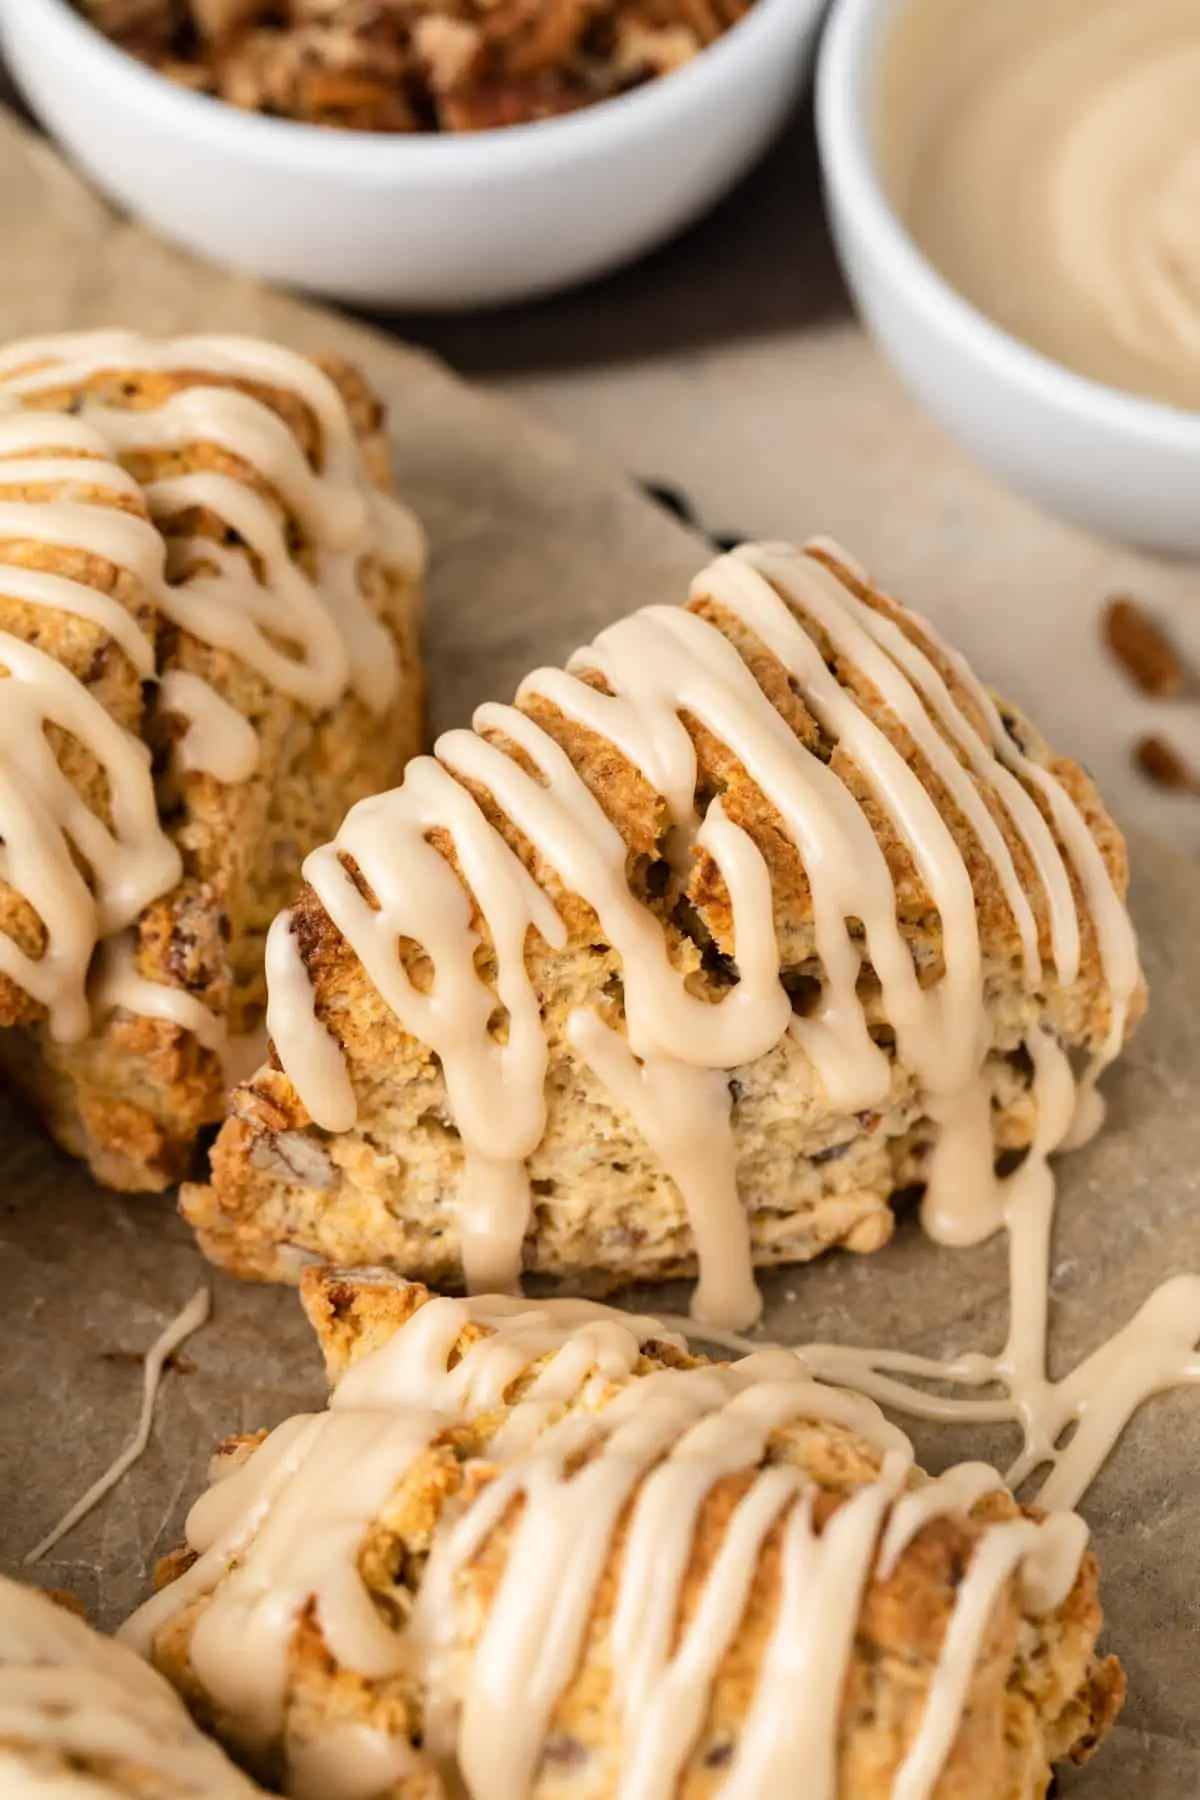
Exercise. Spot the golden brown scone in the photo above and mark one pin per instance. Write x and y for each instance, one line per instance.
(911, 830)
(81, 1718)
(277, 566)
(47, 464)
(739, 1580)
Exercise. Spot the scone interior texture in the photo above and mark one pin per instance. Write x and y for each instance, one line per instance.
(83, 1718)
(208, 618)
(537, 1550)
(761, 919)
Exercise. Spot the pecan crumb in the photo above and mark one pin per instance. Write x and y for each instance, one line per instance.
(297, 1158)
(1142, 648)
(414, 65)
(1162, 764)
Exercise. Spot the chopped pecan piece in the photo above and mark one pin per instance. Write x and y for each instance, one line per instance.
(1142, 648)
(1162, 764)
(218, 18)
(414, 65)
(297, 1158)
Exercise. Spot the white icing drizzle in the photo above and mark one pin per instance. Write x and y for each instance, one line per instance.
(383, 1413)
(38, 587)
(1052, 1548)
(1158, 1349)
(343, 514)
(823, 1578)
(189, 1320)
(122, 538)
(218, 741)
(496, 1089)
(658, 666)
(1113, 926)
(43, 819)
(683, 1114)
(296, 1557)
(349, 1762)
(283, 1531)
(313, 635)
(28, 443)
(71, 1700)
(318, 1070)
(64, 472)
(46, 830)
(229, 606)
(118, 985)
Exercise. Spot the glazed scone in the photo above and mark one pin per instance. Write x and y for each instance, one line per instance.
(198, 535)
(82, 1718)
(536, 1551)
(761, 919)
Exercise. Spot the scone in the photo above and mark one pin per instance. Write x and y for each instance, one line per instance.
(761, 919)
(208, 616)
(82, 1718)
(539, 1552)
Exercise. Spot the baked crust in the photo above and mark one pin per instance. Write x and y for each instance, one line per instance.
(132, 1096)
(1038, 1693)
(82, 1716)
(284, 1193)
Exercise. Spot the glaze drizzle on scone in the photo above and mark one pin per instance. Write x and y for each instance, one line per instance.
(1068, 1424)
(46, 825)
(332, 639)
(573, 1452)
(282, 593)
(650, 687)
(83, 1719)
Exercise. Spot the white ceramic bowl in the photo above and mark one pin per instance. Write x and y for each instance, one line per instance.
(444, 222)
(1124, 466)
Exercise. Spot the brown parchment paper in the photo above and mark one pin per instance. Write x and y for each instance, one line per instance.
(536, 545)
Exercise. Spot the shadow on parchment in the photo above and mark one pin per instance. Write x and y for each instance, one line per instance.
(762, 261)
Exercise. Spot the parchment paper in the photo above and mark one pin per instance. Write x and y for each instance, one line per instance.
(535, 546)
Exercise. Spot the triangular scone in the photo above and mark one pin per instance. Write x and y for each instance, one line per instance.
(208, 612)
(82, 1718)
(572, 1562)
(761, 919)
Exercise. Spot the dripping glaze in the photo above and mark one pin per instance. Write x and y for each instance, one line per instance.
(282, 1530)
(1157, 1349)
(669, 1067)
(190, 1319)
(207, 589)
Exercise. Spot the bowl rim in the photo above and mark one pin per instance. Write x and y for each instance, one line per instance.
(846, 63)
(380, 153)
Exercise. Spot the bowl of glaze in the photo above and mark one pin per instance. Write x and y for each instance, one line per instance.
(446, 221)
(1124, 466)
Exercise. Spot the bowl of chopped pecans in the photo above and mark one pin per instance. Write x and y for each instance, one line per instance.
(420, 153)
